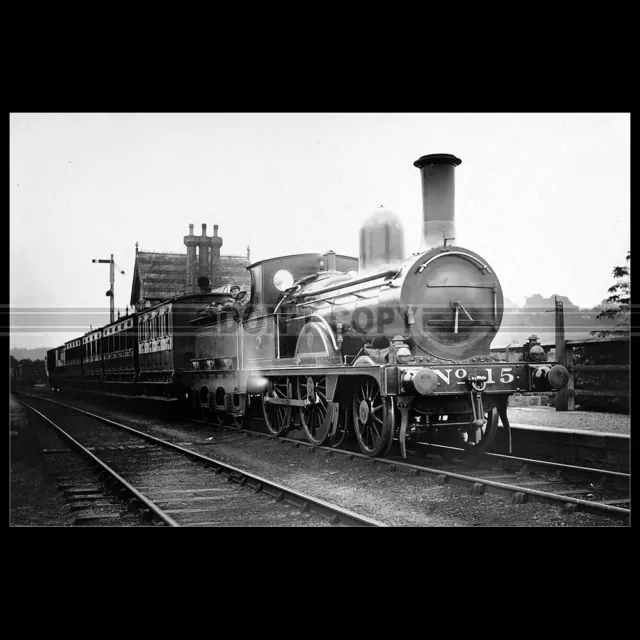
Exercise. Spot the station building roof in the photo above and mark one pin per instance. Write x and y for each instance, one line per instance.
(158, 276)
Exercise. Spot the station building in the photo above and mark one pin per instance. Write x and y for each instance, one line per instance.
(159, 276)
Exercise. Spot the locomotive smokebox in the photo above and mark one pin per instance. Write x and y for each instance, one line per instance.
(438, 199)
(381, 242)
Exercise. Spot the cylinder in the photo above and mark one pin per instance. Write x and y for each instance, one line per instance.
(437, 171)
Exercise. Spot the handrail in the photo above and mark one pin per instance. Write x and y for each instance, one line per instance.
(376, 276)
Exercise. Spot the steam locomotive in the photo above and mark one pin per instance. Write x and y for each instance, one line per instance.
(386, 346)
(389, 346)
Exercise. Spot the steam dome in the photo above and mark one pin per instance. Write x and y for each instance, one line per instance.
(381, 241)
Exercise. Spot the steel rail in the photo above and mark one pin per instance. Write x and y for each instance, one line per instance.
(148, 503)
(551, 498)
(297, 498)
(618, 475)
(584, 505)
(499, 456)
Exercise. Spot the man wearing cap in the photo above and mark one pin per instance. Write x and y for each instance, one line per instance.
(240, 304)
(227, 305)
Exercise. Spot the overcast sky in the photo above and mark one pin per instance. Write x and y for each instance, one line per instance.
(543, 198)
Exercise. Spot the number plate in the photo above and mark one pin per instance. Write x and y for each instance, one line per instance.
(502, 376)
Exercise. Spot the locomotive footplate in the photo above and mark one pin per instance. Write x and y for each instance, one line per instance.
(433, 379)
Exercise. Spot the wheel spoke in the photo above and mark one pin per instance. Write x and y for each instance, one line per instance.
(373, 428)
(375, 433)
(312, 416)
(277, 416)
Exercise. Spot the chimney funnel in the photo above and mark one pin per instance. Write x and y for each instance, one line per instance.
(204, 230)
(215, 230)
(190, 229)
(438, 199)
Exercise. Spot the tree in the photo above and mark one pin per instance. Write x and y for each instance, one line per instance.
(620, 299)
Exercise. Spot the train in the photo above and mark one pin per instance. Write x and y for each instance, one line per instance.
(387, 347)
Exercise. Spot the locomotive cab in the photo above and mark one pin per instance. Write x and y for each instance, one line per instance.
(271, 278)
(272, 328)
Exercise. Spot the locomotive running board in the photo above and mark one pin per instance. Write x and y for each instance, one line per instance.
(289, 402)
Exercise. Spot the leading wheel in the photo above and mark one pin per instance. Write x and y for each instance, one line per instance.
(373, 418)
(277, 417)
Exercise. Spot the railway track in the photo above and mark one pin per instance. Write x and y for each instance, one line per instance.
(168, 484)
(572, 487)
(584, 448)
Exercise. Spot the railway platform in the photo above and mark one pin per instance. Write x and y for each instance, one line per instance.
(600, 439)
(548, 417)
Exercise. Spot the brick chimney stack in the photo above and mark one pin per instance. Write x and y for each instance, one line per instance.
(191, 243)
(203, 257)
(214, 266)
